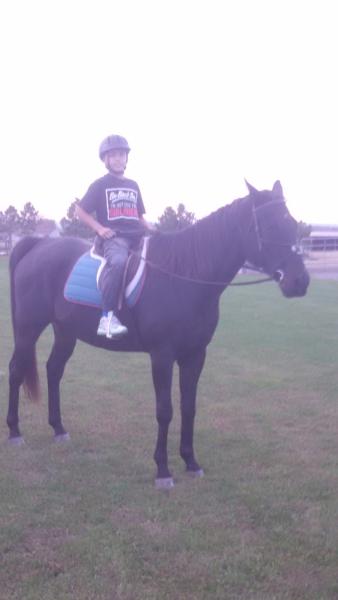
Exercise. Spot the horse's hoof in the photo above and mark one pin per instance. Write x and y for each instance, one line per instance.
(195, 474)
(61, 437)
(164, 483)
(16, 441)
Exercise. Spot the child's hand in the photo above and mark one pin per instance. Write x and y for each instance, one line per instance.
(105, 232)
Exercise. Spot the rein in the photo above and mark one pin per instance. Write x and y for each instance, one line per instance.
(203, 281)
(260, 242)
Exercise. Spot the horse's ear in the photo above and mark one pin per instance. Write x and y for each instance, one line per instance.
(277, 189)
(250, 187)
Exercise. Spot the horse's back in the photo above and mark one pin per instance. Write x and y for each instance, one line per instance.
(39, 268)
(32, 254)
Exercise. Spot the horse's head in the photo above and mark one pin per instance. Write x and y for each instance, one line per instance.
(271, 241)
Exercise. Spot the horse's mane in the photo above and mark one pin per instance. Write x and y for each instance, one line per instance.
(192, 251)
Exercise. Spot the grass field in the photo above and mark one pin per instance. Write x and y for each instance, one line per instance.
(82, 521)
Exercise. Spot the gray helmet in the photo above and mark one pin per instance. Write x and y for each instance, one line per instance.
(113, 142)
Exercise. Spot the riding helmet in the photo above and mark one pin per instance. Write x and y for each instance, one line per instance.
(113, 142)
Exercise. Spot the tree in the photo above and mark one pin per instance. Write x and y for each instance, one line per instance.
(71, 225)
(172, 220)
(29, 218)
(10, 220)
(168, 221)
(2, 221)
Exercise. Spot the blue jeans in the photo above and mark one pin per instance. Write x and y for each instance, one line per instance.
(115, 251)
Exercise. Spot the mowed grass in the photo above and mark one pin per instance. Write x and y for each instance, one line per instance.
(82, 520)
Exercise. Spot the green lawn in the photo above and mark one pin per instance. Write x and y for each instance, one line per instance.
(82, 521)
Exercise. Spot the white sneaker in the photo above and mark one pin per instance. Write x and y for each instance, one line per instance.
(111, 327)
(103, 326)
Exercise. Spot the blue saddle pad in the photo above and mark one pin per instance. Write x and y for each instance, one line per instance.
(81, 285)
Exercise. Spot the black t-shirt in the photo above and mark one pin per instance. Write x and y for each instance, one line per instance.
(117, 203)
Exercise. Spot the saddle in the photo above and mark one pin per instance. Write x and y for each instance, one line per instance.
(82, 285)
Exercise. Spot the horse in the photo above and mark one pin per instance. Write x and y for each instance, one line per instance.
(174, 319)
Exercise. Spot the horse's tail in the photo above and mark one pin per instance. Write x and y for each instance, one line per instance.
(31, 379)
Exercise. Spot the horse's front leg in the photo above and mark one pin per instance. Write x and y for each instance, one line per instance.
(162, 371)
(190, 370)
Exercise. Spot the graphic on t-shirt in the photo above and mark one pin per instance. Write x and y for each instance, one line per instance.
(121, 203)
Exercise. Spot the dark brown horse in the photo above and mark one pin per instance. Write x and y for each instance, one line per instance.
(173, 321)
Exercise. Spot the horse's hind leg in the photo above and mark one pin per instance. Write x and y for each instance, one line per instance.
(190, 370)
(22, 367)
(16, 377)
(62, 350)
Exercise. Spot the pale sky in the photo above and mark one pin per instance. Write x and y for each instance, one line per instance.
(207, 92)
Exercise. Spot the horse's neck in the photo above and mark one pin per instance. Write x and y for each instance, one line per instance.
(210, 251)
(224, 253)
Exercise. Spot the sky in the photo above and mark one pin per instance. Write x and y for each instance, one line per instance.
(208, 93)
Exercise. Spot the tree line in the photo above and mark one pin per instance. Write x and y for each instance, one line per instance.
(25, 222)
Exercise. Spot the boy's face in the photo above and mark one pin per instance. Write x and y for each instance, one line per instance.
(116, 161)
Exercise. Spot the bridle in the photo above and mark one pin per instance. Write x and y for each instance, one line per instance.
(259, 235)
(277, 271)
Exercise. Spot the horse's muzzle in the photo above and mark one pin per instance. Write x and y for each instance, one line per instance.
(293, 286)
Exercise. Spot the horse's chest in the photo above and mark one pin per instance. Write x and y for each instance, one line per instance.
(193, 331)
